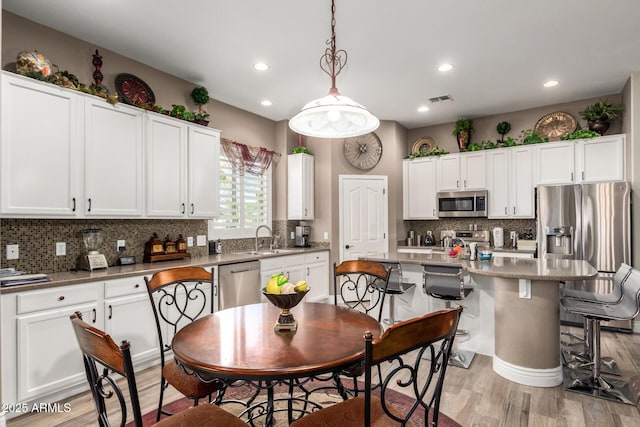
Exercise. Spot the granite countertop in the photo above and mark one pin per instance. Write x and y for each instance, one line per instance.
(440, 249)
(66, 278)
(515, 268)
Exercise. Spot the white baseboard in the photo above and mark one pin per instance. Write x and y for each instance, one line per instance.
(528, 376)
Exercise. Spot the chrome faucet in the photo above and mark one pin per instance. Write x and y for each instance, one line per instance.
(270, 236)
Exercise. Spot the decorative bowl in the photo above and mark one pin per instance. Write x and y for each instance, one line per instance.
(485, 255)
(285, 302)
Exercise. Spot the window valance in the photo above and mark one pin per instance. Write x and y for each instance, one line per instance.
(245, 158)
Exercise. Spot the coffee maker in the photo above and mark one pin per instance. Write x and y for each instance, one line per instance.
(302, 236)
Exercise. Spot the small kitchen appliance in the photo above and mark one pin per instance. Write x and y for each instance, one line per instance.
(302, 236)
(498, 237)
(462, 204)
(92, 260)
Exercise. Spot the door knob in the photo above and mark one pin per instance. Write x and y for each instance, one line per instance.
(347, 247)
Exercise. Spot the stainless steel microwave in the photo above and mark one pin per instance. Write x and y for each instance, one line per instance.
(462, 204)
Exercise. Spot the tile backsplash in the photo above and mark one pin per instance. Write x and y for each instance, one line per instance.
(37, 239)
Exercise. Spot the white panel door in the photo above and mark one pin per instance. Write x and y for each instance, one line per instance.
(363, 216)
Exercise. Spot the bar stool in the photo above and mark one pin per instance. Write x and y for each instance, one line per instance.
(397, 286)
(595, 384)
(447, 284)
(584, 359)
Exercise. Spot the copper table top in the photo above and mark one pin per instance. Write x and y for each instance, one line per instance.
(240, 343)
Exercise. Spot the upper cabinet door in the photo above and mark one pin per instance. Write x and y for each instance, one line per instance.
(40, 150)
(555, 163)
(113, 159)
(601, 159)
(419, 189)
(204, 167)
(449, 173)
(499, 162)
(166, 162)
(473, 171)
(300, 187)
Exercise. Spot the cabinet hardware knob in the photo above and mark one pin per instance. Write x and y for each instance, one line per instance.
(110, 311)
(95, 316)
(192, 208)
(514, 210)
(74, 205)
(137, 285)
(505, 210)
(183, 208)
(308, 271)
(89, 210)
(61, 298)
(571, 176)
(465, 183)
(583, 175)
(457, 183)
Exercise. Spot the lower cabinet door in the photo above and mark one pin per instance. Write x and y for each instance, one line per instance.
(131, 318)
(49, 358)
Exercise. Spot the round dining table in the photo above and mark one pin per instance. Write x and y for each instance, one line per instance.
(240, 343)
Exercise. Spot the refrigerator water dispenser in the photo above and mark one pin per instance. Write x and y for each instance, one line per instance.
(559, 240)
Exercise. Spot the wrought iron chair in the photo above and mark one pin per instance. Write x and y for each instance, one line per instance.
(399, 353)
(360, 285)
(178, 297)
(103, 358)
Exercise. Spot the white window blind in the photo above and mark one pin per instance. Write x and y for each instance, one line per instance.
(245, 203)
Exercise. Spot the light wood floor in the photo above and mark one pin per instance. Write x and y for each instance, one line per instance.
(473, 397)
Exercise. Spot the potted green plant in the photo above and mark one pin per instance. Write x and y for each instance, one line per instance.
(300, 149)
(200, 96)
(463, 129)
(600, 114)
(503, 128)
(531, 136)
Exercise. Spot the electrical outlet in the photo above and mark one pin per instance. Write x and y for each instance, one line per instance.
(293, 235)
(201, 240)
(120, 244)
(13, 252)
(61, 248)
(326, 235)
(190, 241)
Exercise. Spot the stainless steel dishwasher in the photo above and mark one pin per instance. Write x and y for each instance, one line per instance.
(239, 284)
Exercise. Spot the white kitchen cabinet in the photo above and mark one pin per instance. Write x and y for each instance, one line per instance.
(128, 315)
(40, 150)
(295, 268)
(317, 276)
(555, 163)
(464, 171)
(203, 171)
(300, 187)
(419, 188)
(511, 189)
(40, 353)
(166, 163)
(601, 159)
(113, 159)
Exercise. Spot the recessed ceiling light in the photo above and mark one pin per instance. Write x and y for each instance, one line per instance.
(261, 66)
(423, 109)
(266, 103)
(551, 83)
(445, 67)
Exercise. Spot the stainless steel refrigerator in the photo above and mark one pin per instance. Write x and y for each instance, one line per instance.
(590, 222)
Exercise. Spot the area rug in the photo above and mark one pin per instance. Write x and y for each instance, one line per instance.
(326, 396)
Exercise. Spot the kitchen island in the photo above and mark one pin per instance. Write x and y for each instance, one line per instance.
(515, 313)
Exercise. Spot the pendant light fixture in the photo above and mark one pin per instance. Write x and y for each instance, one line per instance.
(335, 115)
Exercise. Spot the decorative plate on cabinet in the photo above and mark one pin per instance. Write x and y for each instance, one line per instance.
(364, 151)
(133, 91)
(423, 144)
(556, 125)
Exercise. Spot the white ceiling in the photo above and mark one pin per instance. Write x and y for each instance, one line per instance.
(503, 50)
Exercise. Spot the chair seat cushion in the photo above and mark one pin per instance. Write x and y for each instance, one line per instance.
(202, 415)
(350, 413)
(189, 385)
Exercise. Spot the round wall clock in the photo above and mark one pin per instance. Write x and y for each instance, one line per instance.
(364, 151)
(556, 125)
(133, 91)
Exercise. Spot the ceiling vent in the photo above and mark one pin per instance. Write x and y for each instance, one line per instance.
(442, 98)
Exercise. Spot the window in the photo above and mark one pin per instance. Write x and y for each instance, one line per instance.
(245, 203)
